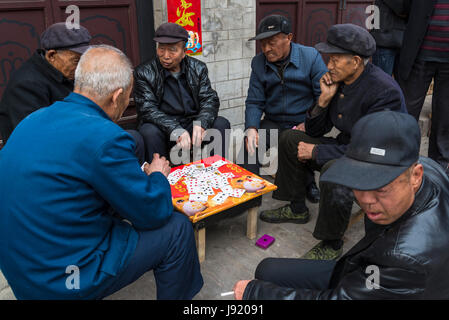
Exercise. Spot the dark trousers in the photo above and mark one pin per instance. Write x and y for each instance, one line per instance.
(170, 252)
(140, 145)
(415, 89)
(296, 273)
(252, 162)
(157, 141)
(335, 201)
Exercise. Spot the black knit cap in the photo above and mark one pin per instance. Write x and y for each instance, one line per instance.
(272, 25)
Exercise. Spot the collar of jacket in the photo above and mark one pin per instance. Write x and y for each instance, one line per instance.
(79, 99)
(46, 68)
(294, 57)
(164, 72)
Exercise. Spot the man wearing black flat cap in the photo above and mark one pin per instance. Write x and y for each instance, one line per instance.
(46, 77)
(407, 198)
(352, 88)
(175, 101)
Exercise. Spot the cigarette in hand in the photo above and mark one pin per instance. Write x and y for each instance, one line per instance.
(227, 293)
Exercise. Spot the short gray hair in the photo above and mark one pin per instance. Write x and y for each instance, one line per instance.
(102, 77)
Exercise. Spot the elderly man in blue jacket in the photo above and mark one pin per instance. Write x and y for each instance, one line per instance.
(69, 179)
(284, 83)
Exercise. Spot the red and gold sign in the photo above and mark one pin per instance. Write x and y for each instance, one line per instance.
(187, 13)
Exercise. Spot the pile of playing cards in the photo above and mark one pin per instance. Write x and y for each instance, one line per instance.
(201, 182)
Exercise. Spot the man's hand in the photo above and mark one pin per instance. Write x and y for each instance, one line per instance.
(184, 141)
(252, 140)
(300, 127)
(305, 151)
(239, 288)
(198, 135)
(159, 164)
(328, 90)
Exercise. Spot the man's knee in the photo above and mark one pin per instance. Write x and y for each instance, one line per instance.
(221, 123)
(266, 269)
(289, 139)
(182, 227)
(149, 130)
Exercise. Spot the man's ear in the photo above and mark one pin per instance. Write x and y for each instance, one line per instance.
(416, 176)
(50, 55)
(357, 61)
(290, 36)
(116, 96)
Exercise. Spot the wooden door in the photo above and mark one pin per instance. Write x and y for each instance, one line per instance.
(312, 18)
(111, 22)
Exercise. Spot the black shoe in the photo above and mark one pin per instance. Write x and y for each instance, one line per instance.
(313, 193)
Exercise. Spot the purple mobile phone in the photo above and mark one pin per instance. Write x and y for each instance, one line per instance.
(265, 241)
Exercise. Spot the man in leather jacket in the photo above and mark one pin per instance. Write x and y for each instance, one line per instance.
(174, 98)
(405, 252)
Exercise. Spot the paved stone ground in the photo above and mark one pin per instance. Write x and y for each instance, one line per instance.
(231, 256)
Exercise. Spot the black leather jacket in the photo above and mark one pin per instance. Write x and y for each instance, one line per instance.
(412, 254)
(149, 90)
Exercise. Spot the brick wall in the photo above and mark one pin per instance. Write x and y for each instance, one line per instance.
(227, 25)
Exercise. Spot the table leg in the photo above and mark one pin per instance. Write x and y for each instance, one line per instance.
(200, 238)
(251, 223)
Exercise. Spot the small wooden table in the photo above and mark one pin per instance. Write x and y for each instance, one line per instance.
(208, 212)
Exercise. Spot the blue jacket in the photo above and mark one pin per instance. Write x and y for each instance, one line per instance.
(62, 169)
(284, 101)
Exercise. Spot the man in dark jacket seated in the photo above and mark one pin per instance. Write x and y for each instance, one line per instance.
(405, 252)
(48, 77)
(175, 101)
(352, 88)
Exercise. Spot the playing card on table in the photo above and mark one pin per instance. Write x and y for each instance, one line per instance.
(227, 189)
(228, 174)
(237, 193)
(198, 197)
(174, 176)
(220, 198)
(218, 163)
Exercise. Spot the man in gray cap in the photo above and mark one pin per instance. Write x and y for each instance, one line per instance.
(45, 78)
(352, 88)
(174, 98)
(48, 77)
(405, 196)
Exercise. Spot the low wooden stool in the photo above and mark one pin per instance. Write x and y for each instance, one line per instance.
(251, 225)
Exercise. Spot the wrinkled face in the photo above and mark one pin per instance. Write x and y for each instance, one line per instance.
(171, 54)
(341, 67)
(65, 61)
(277, 47)
(387, 204)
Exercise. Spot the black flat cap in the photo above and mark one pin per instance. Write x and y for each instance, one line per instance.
(348, 38)
(383, 145)
(272, 25)
(170, 33)
(59, 37)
